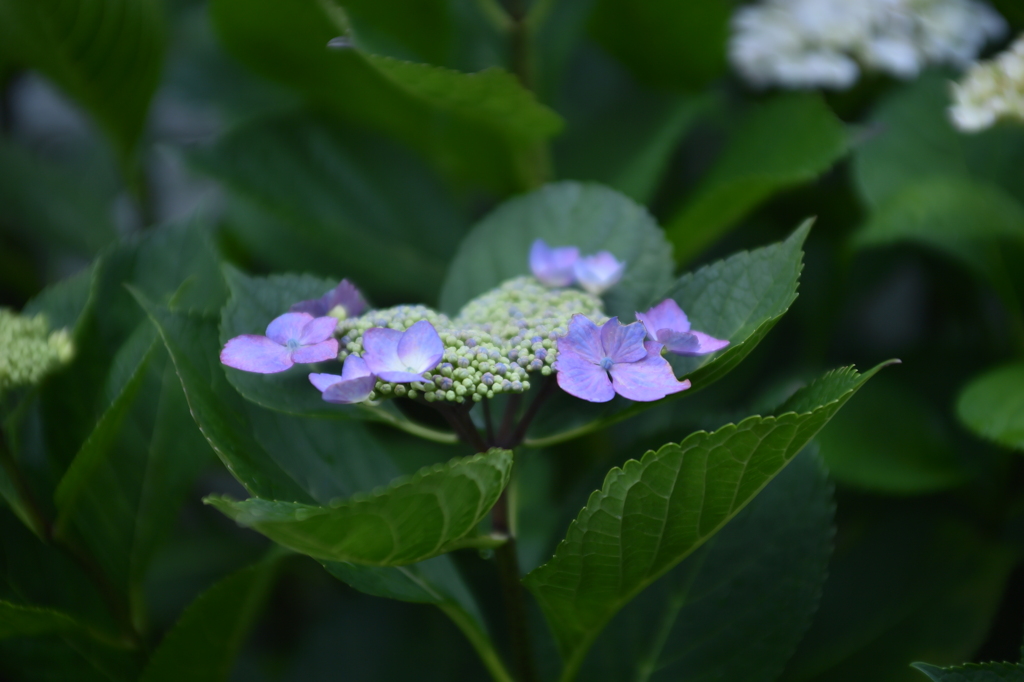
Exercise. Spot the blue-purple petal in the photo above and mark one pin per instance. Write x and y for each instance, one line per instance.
(317, 352)
(399, 377)
(581, 378)
(350, 390)
(665, 315)
(647, 380)
(317, 330)
(354, 368)
(252, 353)
(420, 347)
(692, 343)
(345, 295)
(380, 350)
(323, 381)
(553, 267)
(288, 327)
(599, 272)
(623, 343)
(583, 338)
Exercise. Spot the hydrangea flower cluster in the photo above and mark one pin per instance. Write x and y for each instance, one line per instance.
(826, 43)
(524, 327)
(991, 90)
(28, 350)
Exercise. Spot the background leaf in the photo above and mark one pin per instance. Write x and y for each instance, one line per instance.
(788, 141)
(974, 672)
(667, 504)
(589, 216)
(409, 521)
(992, 405)
(753, 588)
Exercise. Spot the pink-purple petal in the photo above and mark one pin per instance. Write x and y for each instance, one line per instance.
(420, 347)
(647, 380)
(581, 378)
(399, 377)
(252, 353)
(317, 330)
(317, 352)
(598, 272)
(354, 368)
(323, 381)
(345, 295)
(287, 327)
(583, 338)
(380, 350)
(553, 266)
(623, 343)
(692, 343)
(665, 315)
(351, 390)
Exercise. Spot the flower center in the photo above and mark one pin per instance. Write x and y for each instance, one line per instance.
(606, 363)
(292, 344)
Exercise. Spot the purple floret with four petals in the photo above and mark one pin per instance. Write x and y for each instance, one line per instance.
(402, 357)
(353, 386)
(553, 266)
(594, 363)
(667, 324)
(291, 338)
(599, 272)
(345, 295)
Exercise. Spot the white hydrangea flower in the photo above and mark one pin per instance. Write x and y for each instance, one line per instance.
(991, 91)
(826, 43)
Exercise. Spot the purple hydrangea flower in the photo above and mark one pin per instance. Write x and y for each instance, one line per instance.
(353, 386)
(667, 324)
(599, 272)
(594, 363)
(344, 296)
(291, 338)
(401, 357)
(553, 267)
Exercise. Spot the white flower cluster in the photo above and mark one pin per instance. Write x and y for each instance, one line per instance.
(826, 43)
(29, 350)
(991, 91)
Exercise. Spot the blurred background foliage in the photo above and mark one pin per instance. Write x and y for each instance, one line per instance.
(147, 142)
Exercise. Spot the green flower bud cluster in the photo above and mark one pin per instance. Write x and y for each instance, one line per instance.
(495, 343)
(28, 351)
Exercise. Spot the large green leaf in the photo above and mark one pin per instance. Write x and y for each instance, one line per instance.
(896, 594)
(753, 588)
(589, 216)
(974, 672)
(482, 127)
(992, 405)
(788, 141)
(652, 513)
(105, 54)
(20, 621)
(203, 644)
(670, 44)
(740, 299)
(338, 195)
(892, 441)
(409, 521)
(964, 219)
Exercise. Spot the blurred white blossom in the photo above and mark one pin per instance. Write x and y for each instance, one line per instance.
(991, 91)
(826, 43)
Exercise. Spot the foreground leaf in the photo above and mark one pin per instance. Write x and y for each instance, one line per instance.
(789, 141)
(409, 521)
(753, 588)
(26, 621)
(105, 54)
(974, 672)
(992, 405)
(203, 644)
(590, 216)
(652, 513)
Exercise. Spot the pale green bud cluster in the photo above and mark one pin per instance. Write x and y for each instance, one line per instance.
(491, 347)
(28, 351)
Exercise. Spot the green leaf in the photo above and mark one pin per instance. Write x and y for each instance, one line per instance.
(753, 588)
(203, 644)
(974, 672)
(589, 216)
(665, 506)
(28, 621)
(670, 44)
(81, 222)
(67, 302)
(959, 217)
(105, 54)
(992, 405)
(891, 441)
(409, 521)
(482, 127)
(789, 141)
(338, 195)
(740, 299)
(897, 594)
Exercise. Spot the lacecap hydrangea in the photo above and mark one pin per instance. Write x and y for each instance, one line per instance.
(548, 324)
(29, 350)
(991, 91)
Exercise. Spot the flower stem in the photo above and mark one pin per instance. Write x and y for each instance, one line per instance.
(512, 590)
(517, 436)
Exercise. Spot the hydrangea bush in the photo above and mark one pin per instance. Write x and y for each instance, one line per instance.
(530, 341)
